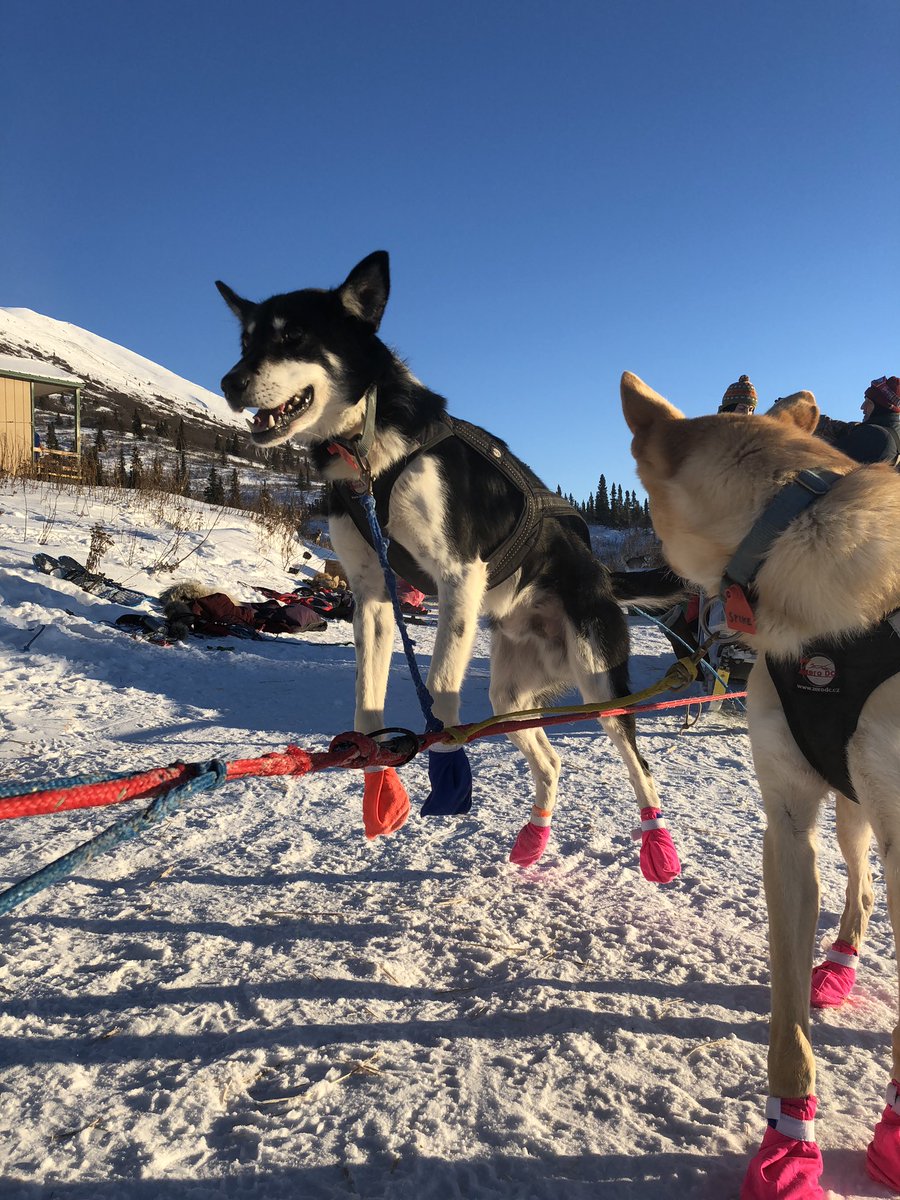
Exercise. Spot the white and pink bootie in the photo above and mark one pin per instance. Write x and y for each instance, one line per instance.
(533, 838)
(659, 858)
(788, 1164)
(833, 979)
(883, 1155)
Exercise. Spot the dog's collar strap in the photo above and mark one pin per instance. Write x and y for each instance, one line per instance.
(355, 451)
(791, 500)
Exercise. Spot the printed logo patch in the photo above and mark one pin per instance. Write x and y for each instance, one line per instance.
(818, 671)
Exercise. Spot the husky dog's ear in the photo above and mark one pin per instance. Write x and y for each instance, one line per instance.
(643, 407)
(240, 307)
(364, 293)
(799, 409)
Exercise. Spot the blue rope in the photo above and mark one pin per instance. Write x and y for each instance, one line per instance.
(432, 724)
(73, 781)
(209, 775)
(703, 663)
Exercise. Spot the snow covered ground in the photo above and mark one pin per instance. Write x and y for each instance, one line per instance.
(254, 1001)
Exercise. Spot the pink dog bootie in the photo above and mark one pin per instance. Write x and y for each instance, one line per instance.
(883, 1155)
(833, 979)
(659, 858)
(788, 1164)
(530, 844)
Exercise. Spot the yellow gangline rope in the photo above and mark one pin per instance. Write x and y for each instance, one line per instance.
(679, 675)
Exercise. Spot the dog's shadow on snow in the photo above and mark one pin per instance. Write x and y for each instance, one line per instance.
(403, 1172)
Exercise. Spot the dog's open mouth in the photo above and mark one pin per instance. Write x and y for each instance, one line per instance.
(271, 423)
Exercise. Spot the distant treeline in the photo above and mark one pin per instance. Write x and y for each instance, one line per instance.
(612, 507)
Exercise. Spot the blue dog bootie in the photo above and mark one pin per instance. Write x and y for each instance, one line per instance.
(451, 783)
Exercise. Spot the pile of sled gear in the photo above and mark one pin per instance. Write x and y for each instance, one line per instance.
(412, 602)
(335, 604)
(190, 608)
(98, 585)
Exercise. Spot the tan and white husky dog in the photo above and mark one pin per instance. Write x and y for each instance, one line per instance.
(830, 574)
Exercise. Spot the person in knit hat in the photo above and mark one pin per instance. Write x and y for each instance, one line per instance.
(876, 438)
(739, 397)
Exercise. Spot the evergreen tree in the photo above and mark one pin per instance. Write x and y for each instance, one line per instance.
(52, 440)
(234, 491)
(100, 443)
(154, 476)
(120, 475)
(136, 470)
(213, 486)
(180, 439)
(603, 513)
(137, 427)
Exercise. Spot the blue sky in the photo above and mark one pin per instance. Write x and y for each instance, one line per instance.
(687, 190)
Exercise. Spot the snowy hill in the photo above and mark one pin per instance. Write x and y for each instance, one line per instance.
(111, 371)
(254, 1002)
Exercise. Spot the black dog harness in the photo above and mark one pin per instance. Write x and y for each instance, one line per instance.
(538, 502)
(823, 690)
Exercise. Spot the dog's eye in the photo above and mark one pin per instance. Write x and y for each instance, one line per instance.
(293, 335)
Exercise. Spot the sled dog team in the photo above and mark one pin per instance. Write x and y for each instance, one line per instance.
(795, 536)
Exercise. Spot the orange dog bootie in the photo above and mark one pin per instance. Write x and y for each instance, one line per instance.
(385, 802)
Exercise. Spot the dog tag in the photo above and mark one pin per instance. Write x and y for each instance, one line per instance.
(738, 611)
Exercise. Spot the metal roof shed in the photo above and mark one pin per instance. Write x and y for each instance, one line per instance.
(22, 380)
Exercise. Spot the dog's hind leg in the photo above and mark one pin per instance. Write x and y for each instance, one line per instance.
(833, 979)
(598, 682)
(873, 757)
(516, 683)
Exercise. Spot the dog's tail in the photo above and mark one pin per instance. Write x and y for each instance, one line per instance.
(657, 588)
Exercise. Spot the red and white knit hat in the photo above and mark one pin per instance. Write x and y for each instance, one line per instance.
(885, 392)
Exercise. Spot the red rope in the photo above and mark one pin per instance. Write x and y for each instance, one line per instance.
(347, 750)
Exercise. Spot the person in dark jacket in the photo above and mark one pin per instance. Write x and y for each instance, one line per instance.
(876, 438)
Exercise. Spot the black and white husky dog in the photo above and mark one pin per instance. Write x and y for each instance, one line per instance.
(467, 521)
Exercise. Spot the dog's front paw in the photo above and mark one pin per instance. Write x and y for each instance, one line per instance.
(451, 784)
(385, 802)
